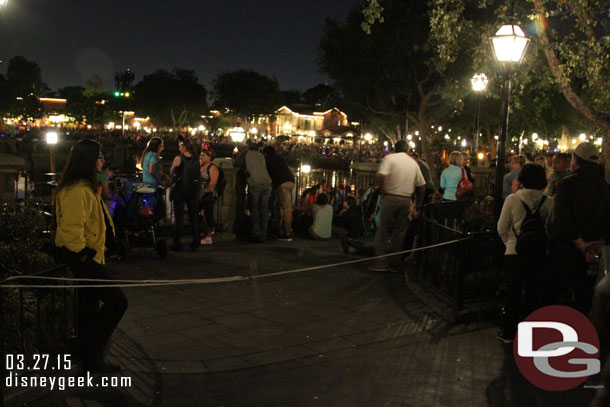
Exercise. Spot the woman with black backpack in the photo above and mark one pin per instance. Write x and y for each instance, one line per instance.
(523, 227)
(186, 176)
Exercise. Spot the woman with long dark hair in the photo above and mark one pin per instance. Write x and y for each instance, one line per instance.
(83, 222)
(209, 179)
(151, 166)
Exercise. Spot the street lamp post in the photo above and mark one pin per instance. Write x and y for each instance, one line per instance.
(51, 138)
(479, 83)
(509, 46)
(51, 141)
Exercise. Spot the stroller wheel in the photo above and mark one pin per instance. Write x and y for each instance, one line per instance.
(161, 248)
(121, 250)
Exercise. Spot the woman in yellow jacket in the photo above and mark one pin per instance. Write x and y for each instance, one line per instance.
(82, 225)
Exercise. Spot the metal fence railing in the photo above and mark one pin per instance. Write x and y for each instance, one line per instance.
(465, 272)
(37, 320)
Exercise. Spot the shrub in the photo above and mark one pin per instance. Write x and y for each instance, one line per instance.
(25, 238)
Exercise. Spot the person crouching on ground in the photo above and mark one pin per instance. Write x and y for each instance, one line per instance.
(350, 218)
(322, 219)
(83, 222)
(522, 271)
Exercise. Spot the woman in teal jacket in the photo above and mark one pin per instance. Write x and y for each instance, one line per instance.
(451, 176)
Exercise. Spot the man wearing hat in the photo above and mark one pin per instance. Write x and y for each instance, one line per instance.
(581, 228)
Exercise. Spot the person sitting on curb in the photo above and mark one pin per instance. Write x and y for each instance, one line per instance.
(322, 219)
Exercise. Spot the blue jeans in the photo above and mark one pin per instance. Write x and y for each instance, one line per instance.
(258, 196)
(193, 207)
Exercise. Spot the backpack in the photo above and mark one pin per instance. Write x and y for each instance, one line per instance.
(190, 177)
(532, 240)
(464, 188)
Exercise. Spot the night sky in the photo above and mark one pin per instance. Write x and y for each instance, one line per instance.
(73, 39)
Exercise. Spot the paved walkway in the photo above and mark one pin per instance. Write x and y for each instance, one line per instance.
(333, 337)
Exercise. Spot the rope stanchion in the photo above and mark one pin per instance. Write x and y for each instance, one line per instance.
(153, 283)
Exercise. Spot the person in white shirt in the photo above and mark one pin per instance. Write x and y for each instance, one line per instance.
(399, 178)
(322, 219)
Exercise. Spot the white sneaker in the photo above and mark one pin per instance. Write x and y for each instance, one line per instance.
(206, 240)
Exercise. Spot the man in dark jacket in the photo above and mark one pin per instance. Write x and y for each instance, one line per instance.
(425, 170)
(581, 228)
(282, 181)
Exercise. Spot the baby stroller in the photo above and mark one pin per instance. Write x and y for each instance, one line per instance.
(136, 221)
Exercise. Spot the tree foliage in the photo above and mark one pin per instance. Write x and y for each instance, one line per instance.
(78, 105)
(173, 99)
(392, 79)
(20, 88)
(246, 93)
(322, 96)
(24, 77)
(569, 53)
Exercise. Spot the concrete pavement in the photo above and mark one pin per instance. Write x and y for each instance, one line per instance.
(342, 336)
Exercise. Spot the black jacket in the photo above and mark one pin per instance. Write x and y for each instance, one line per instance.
(278, 170)
(582, 207)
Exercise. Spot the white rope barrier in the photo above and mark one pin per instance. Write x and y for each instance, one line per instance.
(153, 283)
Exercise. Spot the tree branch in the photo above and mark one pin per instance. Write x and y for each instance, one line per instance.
(389, 114)
(564, 83)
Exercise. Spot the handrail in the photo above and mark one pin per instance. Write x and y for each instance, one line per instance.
(43, 305)
(464, 272)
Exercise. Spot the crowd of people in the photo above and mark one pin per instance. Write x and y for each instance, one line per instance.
(554, 221)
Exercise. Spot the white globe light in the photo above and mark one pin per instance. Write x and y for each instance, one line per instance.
(479, 82)
(582, 137)
(237, 134)
(52, 137)
(306, 169)
(509, 44)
